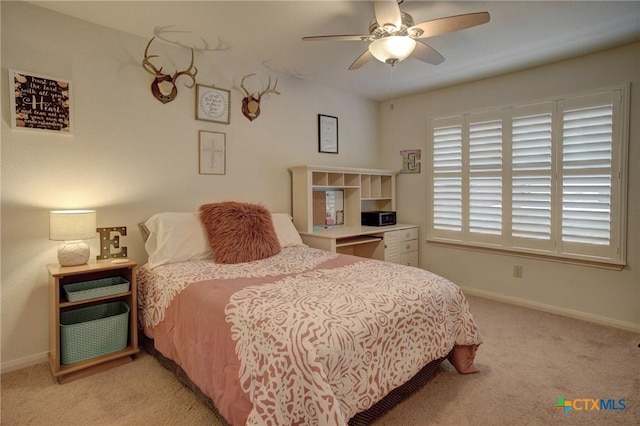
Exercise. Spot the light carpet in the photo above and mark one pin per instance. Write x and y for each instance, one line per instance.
(528, 360)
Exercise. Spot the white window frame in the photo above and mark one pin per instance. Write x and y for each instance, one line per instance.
(612, 255)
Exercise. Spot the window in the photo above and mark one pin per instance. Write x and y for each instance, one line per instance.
(546, 178)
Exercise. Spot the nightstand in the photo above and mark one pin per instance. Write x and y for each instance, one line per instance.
(60, 307)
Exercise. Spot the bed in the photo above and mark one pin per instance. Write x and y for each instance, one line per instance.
(283, 333)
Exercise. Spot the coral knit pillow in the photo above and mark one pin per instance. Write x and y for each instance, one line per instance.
(239, 232)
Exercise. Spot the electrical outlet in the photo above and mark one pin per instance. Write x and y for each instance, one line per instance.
(517, 271)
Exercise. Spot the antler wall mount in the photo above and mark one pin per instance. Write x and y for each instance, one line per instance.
(163, 86)
(188, 39)
(251, 102)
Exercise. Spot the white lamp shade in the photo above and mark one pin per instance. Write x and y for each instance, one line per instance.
(392, 49)
(71, 225)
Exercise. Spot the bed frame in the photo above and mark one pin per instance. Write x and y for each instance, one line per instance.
(379, 409)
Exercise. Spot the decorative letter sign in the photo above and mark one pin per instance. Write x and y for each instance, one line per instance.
(106, 242)
(410, 163)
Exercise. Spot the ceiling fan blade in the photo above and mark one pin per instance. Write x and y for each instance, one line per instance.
(362, 59)
(449, 24)
(348, 37)
(388, 12)
(427, 54)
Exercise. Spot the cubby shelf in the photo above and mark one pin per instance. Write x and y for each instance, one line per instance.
(363, 190)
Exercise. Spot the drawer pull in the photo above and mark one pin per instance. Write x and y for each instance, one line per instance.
(408, 234)
(407, 246)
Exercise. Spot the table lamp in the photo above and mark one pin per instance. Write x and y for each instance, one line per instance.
(72, 227)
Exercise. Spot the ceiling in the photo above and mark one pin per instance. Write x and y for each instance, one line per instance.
(520, 34)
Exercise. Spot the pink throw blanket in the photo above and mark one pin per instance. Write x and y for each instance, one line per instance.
(305, 336)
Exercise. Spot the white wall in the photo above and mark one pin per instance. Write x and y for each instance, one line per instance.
(131, 156)
(611, 297)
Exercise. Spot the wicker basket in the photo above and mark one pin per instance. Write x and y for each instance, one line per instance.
(93, 331)
(96, 288)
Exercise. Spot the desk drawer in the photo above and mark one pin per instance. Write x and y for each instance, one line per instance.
(409, 259)
(408, 234)
(408, 246)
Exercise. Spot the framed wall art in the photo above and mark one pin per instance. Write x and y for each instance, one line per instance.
(212, 104)
(327, 134)
(212, 156)
(40, 102)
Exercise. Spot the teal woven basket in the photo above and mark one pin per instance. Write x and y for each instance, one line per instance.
(86, 333)
(95, 288)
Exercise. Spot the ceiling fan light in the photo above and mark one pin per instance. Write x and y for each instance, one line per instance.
(392, 49)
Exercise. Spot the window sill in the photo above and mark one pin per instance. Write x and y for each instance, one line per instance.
(537, 256)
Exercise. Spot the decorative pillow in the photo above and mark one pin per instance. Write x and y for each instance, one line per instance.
(239, 232)
(287, 233)
(176, 237)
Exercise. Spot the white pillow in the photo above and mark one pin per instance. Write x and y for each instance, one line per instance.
(176, 237)
(287, 234)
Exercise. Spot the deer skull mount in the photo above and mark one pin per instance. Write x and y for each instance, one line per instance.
(164, 85)
(251, 102)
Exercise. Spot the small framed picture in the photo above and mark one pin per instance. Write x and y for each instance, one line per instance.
(212, 104)
(212, 156)
(327, 134)
(40, 102)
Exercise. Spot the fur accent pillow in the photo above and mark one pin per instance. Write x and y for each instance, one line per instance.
(239, 232)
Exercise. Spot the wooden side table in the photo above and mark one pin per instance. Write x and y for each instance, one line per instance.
(58, 303)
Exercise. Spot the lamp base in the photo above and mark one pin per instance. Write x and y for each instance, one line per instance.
(73, 253)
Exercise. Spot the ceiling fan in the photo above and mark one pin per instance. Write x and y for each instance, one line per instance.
(394, 36)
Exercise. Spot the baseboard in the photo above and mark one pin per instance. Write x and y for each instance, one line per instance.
(554, 310)
(24, 362)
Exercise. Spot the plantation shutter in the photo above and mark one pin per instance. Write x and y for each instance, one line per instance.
(587, 174)
(531, 186)
(586, 181)
(485, 176)
(546, 178)
(447, 175)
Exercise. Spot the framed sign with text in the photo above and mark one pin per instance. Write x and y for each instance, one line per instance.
(212, 104)
(40, 102)
(327, 134)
